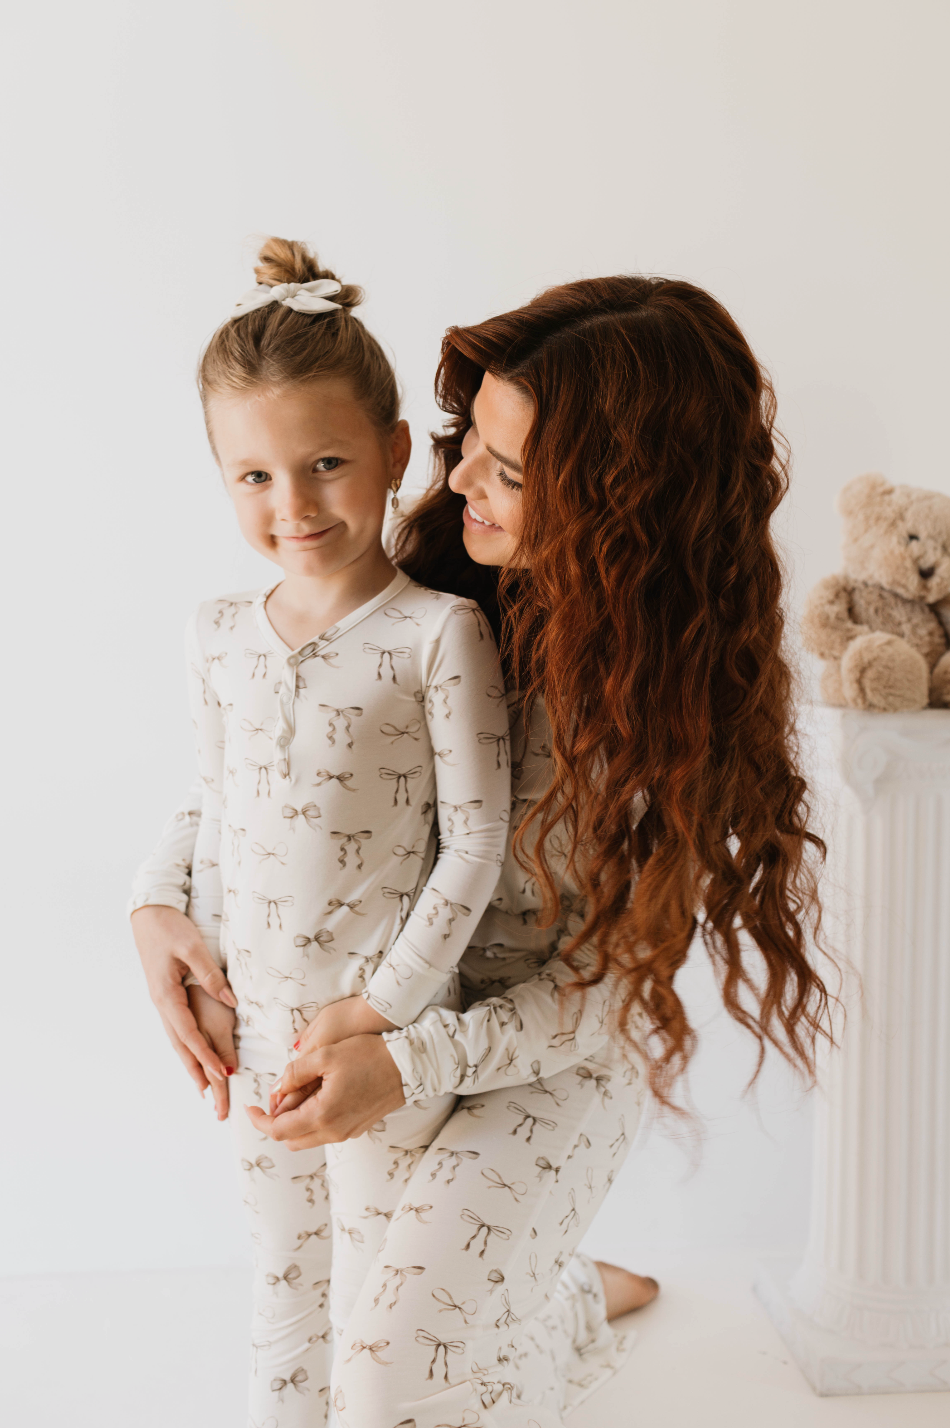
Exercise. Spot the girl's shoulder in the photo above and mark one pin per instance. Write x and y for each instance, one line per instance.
(437, 611)
(226, 613)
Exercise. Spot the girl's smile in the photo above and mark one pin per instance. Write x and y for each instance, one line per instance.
(310, 535)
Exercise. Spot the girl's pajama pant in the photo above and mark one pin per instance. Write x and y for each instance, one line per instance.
(456, 1298)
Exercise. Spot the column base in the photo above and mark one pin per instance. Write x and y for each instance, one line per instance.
(834, 1364)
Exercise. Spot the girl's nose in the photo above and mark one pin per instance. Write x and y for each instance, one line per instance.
(296, 502)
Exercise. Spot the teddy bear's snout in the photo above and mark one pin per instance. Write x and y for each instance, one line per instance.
(926, 572)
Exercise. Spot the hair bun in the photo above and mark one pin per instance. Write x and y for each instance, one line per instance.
(282, 260)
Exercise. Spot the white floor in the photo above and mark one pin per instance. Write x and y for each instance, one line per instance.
(166, 1350)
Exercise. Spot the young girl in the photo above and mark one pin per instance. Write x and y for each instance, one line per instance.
(348, 720)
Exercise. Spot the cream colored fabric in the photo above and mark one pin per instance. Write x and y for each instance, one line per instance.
(317, 872)
(549, 1105)
(302, 297)
(427, 1272)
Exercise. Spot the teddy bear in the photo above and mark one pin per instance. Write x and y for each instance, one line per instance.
(882, 627)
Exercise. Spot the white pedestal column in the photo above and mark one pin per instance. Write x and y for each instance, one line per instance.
(868, 1311)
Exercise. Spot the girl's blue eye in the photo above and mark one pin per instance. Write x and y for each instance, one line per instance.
(329, 463)
(256, 478)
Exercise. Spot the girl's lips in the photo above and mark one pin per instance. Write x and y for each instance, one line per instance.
(311, 535)
(475, 523)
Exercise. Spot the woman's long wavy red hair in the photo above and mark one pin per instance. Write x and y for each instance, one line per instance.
(652, 628)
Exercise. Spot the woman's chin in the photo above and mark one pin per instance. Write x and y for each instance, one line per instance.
(488, 549)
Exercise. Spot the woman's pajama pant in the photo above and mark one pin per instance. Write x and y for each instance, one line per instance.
(456, 1298)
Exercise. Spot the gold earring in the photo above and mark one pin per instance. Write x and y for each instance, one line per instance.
(394, 485)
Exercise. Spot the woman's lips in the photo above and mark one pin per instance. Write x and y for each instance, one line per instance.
(475, 522)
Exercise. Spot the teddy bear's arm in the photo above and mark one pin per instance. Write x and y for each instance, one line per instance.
(941, 609)
(827, 626)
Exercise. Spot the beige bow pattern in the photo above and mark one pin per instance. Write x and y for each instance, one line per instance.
(401, 780)
(403, 652)
(441, 1346)
(347, 716)
(374, 1350)
(296, 1381)
(500, 1231)
(310, 813)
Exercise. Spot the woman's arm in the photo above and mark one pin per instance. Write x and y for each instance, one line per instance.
(468, 730)
(502, 1042)
(534, 1031)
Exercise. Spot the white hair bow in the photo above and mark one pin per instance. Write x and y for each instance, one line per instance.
(302, 297)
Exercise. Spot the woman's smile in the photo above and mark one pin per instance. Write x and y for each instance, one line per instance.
(475, 522)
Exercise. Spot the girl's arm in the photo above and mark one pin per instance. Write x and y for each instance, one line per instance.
(165, 876)
(534, 1031)
(183, 871)
(467, 720)
(206, 900)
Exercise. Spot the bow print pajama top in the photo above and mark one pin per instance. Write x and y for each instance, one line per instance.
(316, 873)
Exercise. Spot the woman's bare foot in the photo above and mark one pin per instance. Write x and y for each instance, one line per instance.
(624, 1291)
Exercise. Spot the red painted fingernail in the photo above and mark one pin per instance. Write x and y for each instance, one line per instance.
(296, 1045)
(229, 1070)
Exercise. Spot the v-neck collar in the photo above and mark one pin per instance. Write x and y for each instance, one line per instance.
(398, 583)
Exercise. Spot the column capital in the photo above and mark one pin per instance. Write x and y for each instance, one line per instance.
(862, 750)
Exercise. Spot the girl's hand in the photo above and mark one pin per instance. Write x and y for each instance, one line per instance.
(216, 1024)
(170, 946)
(353, 1016)
(348, 1086)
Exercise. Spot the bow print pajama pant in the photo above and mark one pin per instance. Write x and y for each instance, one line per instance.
(455, 1297)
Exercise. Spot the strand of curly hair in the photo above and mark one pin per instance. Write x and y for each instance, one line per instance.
(652, 629)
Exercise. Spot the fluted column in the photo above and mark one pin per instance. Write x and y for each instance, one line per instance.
(868, 1310)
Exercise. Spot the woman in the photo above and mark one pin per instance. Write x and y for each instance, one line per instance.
(604, 490)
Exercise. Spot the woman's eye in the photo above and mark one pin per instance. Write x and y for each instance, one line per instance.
(328, 463)
(506, 480)
(256, 478)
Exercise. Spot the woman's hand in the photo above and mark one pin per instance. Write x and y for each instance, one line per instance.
(348, 1087)
(170, 945)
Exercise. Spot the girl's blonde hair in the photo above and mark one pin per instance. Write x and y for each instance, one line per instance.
(275, 346)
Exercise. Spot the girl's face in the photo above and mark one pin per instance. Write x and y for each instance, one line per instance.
(308, 473)
(490, 473)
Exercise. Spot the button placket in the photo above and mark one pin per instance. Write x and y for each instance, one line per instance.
(285, 724)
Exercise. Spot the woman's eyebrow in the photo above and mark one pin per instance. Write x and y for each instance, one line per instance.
(505, 460)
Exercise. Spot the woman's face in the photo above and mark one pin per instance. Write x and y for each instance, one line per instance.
(490, 473)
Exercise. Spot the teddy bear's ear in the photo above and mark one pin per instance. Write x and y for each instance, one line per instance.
(860, 492)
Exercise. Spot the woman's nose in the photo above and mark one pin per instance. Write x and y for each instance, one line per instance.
(465, 479)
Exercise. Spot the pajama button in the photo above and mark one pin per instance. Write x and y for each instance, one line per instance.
(293, 660)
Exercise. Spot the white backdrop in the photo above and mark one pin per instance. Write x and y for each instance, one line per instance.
(453, 159)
